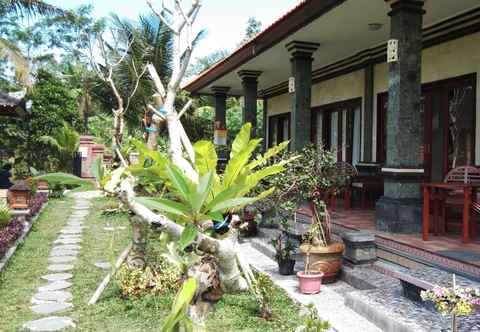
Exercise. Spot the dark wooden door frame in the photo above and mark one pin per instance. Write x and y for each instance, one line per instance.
(444, 85)
(354, 104)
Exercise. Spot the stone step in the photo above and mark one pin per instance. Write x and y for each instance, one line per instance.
(392, 312)
(380, 298)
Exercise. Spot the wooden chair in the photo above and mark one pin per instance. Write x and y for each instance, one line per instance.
(372, 184)
(454, 200)
(349, 172)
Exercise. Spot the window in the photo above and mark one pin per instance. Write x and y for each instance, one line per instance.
(278, 129)
(338, 127)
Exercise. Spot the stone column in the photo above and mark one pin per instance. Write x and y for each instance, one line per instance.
(265, 124)
(220, 94)
(250, 86)
(366, 165)
(400, 208)
(301, 62)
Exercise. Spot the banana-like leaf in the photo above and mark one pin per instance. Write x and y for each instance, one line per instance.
(226, 194)
(179, 182)
(164, 205)
(233, 204)
(253, 179)
(272, 152)
(63, 178)
(205, 157)
(189, 235)
(179, 309)
(236, 165)
(204, 188)
(241, 140)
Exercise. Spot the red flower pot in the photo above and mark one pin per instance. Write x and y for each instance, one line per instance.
(309, 283)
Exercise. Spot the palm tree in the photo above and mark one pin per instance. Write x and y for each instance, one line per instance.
(150, 42)
(29, 8)
(21, 8)
(65, 141)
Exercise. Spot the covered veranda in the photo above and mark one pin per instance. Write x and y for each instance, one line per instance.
(331, 72)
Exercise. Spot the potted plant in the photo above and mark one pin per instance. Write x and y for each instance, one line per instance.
(284, 249)
(311, 178)
(453, 302)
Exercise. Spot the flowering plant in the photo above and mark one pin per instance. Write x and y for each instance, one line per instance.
(453, 301)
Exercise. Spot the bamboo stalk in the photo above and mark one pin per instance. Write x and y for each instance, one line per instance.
(107, 279)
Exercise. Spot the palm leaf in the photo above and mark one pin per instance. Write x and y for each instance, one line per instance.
(31, 7)
(10, 51)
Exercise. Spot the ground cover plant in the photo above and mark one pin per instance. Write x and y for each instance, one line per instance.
(114, 311)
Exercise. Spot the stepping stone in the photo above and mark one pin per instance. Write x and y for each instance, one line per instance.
(79, 214)
(71, 231)
(67, 247)
(60, 267)
(114, 228)
(57, 276)
(49, 324)
(103, 265)
(67, 241)
(61, 252)
(50, 308)
(55, 286)
(53, 296)
(72, 224)
(61, 259)
(70, 236)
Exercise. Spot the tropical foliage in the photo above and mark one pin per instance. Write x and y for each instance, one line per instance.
(65, 142)
(214, 196)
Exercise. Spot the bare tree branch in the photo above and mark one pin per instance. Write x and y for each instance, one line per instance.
(156, 80)
(161, 17)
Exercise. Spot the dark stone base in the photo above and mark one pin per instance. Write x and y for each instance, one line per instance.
(399, 215)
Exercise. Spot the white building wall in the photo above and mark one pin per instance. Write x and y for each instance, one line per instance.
(454, 58)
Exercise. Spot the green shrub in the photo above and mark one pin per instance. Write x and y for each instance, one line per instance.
(5, 214)
(312, 321)
(262, 289)
(163, 278)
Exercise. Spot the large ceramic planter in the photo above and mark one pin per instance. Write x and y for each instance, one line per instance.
(309, 283)
(286, 267)
(325, 259)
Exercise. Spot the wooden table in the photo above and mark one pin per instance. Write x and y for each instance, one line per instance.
(436, 192)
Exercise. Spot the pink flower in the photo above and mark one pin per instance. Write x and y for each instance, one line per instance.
(438, 291)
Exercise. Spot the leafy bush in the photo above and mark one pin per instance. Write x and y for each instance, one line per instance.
(312, 321)
(5, 214)
(36, 203)
(263, 289)
(162, 279)
(9, 234)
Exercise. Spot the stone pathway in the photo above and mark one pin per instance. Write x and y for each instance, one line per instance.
(54, 297)
(330, 302)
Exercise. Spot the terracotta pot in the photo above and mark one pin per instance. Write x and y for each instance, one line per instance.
(309, 283)
(325, 259)
(286, 267)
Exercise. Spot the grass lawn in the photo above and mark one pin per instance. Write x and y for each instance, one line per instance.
(112, 313)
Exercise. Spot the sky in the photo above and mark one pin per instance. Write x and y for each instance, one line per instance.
(224, 20)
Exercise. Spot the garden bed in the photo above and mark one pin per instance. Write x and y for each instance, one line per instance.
(14, 233)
